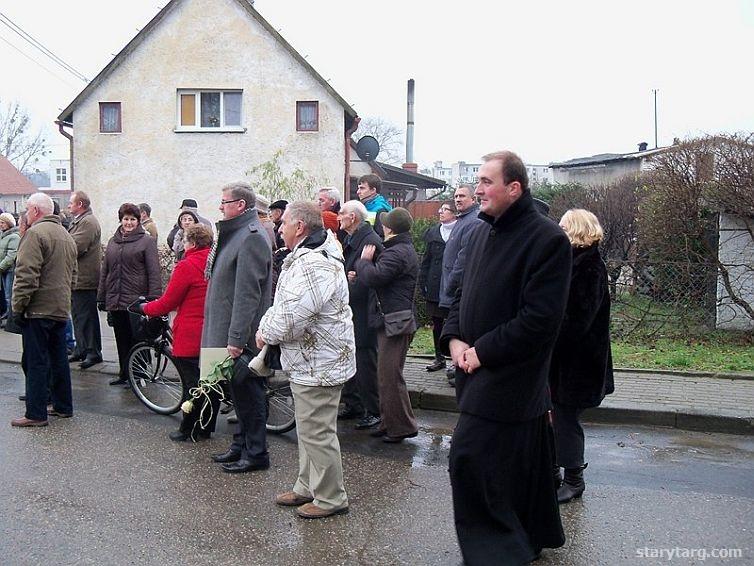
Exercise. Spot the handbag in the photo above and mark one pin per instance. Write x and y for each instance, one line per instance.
(400, 323)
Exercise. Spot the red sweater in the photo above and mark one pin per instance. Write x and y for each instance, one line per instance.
(185, 293)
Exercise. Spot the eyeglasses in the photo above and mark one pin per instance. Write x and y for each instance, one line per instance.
(443, 209)
(230, 201)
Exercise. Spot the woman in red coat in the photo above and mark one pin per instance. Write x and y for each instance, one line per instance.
(185, 294)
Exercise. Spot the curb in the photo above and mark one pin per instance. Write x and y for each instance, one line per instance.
(680, 419)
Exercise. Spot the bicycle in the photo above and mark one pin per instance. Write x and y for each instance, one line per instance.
(158, 383)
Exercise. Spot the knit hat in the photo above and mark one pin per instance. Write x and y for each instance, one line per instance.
(279, 205)
(8, 217)
(263, 205)
(398, 220)
(190, 213)
(330, 221)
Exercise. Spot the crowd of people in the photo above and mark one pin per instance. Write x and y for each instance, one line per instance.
(519, 304)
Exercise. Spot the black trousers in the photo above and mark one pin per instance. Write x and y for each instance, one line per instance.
(189, 368)
(569, 436)
(360, 393)
(126, 335)
(250, 439)
(45, 363)
(504, 499)
(437, 324)
(86, 322)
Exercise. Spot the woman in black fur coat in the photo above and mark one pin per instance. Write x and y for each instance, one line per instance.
(581, 373)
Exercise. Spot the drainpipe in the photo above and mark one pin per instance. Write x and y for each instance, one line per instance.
(347, 176)
(61, 125)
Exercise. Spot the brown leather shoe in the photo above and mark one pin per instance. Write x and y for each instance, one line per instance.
(24, 422)
(311, 511)
(292, 499)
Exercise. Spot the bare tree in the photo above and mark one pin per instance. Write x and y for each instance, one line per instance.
(390, 137)
(17, 143)
(689, 187)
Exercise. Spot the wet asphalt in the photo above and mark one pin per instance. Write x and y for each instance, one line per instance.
(108, 487)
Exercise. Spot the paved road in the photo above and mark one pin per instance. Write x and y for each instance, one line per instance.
(107, 487)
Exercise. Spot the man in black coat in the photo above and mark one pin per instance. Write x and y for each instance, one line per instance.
(360, 395)
(500, 332)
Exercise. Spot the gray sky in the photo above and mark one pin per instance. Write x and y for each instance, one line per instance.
(550, 80)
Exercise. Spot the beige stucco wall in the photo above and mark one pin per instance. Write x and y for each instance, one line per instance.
(200, 45)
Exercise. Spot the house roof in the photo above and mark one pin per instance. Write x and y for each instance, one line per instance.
(67, 114)
(605, 158)
(12, 182)
(398, 175)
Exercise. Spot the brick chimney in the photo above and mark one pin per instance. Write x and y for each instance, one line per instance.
(413, 167)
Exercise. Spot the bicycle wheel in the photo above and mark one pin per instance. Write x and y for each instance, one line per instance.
(281, 415)
(155, 379)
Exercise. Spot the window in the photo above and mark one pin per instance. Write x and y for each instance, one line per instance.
(61, 175)
(209, 110)
(109, 117)
(307, 116)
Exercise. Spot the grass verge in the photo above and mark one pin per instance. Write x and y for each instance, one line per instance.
(716, 352)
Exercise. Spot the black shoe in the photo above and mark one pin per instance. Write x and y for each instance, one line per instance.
(349, 413)
(573, 484)
(118, 381)
(77, 358)
(437, 365)
(396, 439)
(225, 457)
(179, 436)
(243, 466)
(22, 397)
(368, 422)
(90, 361)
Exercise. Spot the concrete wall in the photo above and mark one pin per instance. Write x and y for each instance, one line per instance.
(736, 252)
(200, 45)
(599, 174)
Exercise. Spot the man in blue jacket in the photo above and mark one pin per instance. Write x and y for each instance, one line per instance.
(369, 194)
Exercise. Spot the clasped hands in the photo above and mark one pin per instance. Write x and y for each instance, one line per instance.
(464, 356)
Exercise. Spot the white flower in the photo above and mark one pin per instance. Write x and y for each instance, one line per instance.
(187, 406)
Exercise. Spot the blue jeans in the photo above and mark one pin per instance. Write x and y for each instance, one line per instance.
(70, 339)
(48, 374)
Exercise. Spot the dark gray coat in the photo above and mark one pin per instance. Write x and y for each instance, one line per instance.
(240, 284)
(393, 275)
(453, 258)
(430, 274)
(131, 269)
(361, 298)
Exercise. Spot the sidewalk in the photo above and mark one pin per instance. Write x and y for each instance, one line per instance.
(706, 402)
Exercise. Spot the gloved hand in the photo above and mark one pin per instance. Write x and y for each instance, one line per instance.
(17, 318)
(101, 306)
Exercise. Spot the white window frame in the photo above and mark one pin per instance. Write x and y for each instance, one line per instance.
(61, 174)
(198, 110)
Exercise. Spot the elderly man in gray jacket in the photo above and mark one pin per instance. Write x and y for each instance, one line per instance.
(239, 270)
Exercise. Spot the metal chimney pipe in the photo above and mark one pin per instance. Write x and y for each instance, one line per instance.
(410, 123)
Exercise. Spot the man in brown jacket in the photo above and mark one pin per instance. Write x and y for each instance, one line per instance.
(45, 269)
(86, 232)
(146, 219)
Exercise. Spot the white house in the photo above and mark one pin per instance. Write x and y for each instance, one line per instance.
(193, 102)
(462, 172)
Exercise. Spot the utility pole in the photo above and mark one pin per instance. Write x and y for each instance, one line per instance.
(654, 90)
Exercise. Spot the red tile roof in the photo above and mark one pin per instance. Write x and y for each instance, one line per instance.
(12, 182)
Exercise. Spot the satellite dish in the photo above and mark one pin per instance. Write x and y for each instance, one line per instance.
(368, 148)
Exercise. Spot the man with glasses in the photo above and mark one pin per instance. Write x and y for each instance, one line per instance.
(467, 210)
(239, 269)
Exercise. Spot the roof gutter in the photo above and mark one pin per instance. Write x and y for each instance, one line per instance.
(347, 169)
(61, 124)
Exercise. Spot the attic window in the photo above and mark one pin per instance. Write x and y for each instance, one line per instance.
(209, 110)
(109, 117)
(307, 116)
